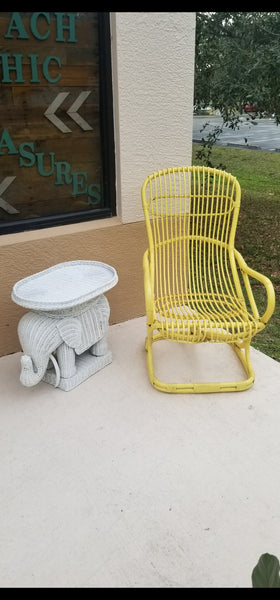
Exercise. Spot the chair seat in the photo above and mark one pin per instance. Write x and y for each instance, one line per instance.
(203, 317)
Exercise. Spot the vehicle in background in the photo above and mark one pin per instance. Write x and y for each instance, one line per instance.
(251, 108)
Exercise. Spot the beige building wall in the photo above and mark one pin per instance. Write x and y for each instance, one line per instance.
(153, 73)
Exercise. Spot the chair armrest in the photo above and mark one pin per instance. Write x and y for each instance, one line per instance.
(148, 286)
(248, 272)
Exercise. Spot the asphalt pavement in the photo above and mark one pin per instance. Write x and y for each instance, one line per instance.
(259, 134)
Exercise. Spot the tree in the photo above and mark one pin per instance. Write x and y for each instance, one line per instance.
(237, 62)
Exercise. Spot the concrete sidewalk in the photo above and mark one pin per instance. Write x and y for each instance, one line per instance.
(117, 485)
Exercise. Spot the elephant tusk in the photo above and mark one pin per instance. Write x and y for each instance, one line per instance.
(57, 370)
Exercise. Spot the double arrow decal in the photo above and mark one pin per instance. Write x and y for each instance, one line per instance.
(3, 204)
(72, 112)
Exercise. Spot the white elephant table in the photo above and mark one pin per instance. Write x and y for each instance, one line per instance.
(64, 336)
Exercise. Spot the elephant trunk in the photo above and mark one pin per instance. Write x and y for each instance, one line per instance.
(28, 376)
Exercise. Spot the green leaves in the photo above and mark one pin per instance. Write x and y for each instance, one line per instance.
(266, 572)
(237, 59)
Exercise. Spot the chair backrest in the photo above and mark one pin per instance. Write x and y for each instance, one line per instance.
(191, 216)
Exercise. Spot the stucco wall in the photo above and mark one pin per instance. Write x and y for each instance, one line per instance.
(153, 65)
(108, 241)
(153, 73)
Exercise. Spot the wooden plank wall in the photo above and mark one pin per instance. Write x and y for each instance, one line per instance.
(44, 183)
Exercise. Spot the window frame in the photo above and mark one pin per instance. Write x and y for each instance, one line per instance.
(107, 148)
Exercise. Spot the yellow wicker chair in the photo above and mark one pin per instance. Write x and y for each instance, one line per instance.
(197, 286)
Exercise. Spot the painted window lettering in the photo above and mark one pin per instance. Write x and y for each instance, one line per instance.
(64, 32)
(12, 71)
(47, 166)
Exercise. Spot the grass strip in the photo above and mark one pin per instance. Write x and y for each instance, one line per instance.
(258, 229)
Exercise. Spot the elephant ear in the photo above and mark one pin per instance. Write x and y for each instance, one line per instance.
(70, 331)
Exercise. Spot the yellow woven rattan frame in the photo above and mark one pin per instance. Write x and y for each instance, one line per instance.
(197, 285)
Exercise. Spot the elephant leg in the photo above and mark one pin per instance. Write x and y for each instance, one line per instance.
(100, 348)
(66, 359)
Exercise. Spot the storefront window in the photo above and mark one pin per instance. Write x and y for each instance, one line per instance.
(56, 130)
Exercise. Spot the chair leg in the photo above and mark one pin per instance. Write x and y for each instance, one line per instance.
(148, 348)
(245, 359)
(200, 388)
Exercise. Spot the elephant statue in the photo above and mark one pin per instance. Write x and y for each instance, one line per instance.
(57, 338)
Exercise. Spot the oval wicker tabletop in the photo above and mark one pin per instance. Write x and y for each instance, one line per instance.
(64, 285)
